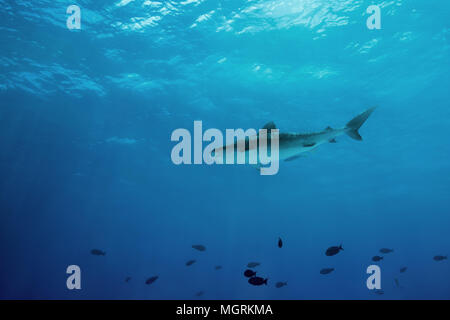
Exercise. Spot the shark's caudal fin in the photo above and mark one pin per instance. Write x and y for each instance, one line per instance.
(354, 124)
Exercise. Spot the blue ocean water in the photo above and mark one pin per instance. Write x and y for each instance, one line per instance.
(85, 123)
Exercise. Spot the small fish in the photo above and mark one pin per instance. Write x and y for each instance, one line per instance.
(151, 280)
(128, 279)
(97, 252)
(326, 270)
(439, 258)
(190, 262)
(257, 281)
(280, 284)
(199, 294)
(397, 283)
(199, 247)
(386, 250)
(280, 243)
(253, 264)
(217, 267)
(331, 251)
(377, 258)
(249, 273)
(403, 269)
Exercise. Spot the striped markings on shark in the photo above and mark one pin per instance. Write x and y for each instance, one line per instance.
(263, 149)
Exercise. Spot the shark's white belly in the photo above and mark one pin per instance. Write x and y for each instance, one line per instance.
(289, 152)
(296, 150)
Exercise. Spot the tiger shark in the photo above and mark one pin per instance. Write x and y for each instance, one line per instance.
(292, 146)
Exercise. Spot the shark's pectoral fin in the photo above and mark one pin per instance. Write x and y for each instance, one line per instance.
(294, 157)
(332, 140)
(306, 145)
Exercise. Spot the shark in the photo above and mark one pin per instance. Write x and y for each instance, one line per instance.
(292, 146)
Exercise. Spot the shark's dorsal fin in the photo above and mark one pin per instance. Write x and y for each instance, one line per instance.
(328, 128)
(270, 125)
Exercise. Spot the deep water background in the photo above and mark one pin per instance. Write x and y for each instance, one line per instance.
(85, 124)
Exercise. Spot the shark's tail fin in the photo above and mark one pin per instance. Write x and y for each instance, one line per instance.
(354, 124)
